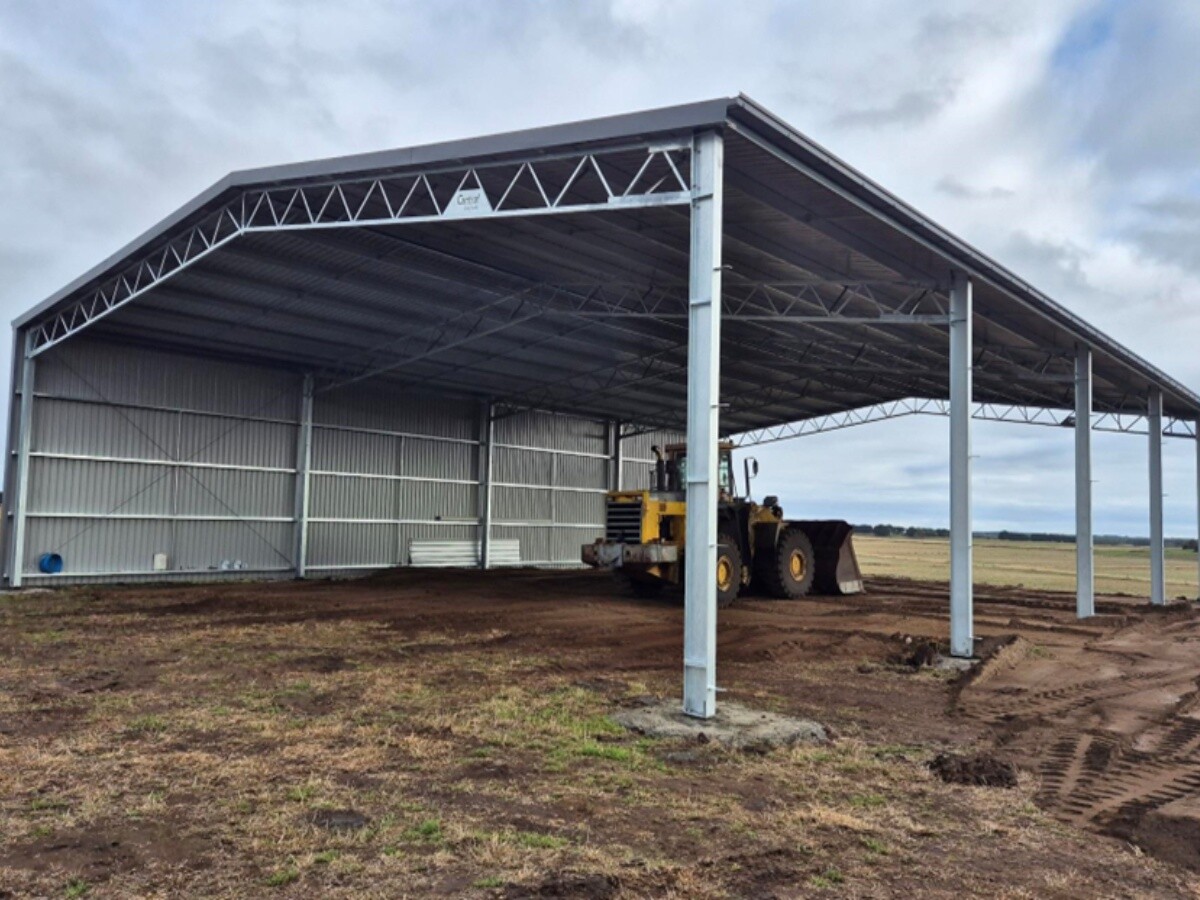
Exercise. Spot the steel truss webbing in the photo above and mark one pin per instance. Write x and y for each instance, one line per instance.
(1123, 423)
(620, 177)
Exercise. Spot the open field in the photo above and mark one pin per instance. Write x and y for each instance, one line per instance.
(446, 734)
(1040, 566)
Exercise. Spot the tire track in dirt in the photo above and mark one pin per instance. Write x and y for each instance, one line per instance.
(1115, 741)
(1070, 698)
(1134, 779)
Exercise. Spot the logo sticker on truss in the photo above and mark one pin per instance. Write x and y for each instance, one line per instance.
(467, 202)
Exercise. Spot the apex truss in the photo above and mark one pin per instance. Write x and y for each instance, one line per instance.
(621, 177)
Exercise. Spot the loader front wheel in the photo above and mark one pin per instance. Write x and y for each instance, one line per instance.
(789, 571)
(641, 588)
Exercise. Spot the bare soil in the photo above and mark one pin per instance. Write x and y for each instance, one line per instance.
(982, 769)
(447, 734)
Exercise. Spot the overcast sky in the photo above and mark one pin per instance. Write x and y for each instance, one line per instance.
(1060, 136)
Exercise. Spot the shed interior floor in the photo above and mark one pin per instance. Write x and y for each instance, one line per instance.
(445, 733)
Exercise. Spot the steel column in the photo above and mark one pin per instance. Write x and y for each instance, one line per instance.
(1085, 579)
(20, 503)
(487, 434)
(303, 475)
(704, 360)
(1158, 580)
(1198, 506)
(962, 624)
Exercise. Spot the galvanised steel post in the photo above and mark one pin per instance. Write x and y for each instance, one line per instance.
(487, 431)
(24, 436)
(303, 475)
(1085, 578)
(1158, 579)
(615, 456)
(704, 358)
(962, 625)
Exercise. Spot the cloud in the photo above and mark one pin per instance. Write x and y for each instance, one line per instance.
(1058, 267)
(1168, 231)
(960, 191)
(1178, 246)
(909, 108)
(1119, 77)
(1186, 209)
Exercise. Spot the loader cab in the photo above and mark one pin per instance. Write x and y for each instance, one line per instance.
(675, 469)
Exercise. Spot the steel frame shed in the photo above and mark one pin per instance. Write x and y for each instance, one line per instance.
(704, 268)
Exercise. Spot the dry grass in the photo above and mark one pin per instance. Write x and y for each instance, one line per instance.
(1039, 566)
(155, 755)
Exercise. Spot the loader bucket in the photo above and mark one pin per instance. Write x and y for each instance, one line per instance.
(833, 549)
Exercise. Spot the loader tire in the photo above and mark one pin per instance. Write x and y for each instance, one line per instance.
(641, 588)
(788, 572)
(729, 571)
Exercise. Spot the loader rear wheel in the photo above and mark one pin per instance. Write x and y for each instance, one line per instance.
(789, 571)
(729, 571)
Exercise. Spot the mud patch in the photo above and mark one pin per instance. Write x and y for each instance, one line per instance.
(485, 769)
(338, 819)
(760, 874)
(576, 885)
(106, 849)
(323, 663)
(979, 770)
(1171, 832)
(92, 682)
(915, 653)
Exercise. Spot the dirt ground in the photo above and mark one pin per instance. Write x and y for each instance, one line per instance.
(447, 734)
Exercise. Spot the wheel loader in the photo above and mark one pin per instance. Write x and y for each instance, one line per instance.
(758, 549)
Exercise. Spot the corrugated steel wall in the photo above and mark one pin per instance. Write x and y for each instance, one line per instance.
(389, 468)
(136, 452)
(549, 477)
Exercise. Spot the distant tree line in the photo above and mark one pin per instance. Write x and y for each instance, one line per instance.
(911, 531)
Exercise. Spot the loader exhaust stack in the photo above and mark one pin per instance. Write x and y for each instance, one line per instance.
(660, 470)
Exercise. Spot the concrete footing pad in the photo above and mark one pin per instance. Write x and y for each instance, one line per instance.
(955, 663)
(734, 725)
